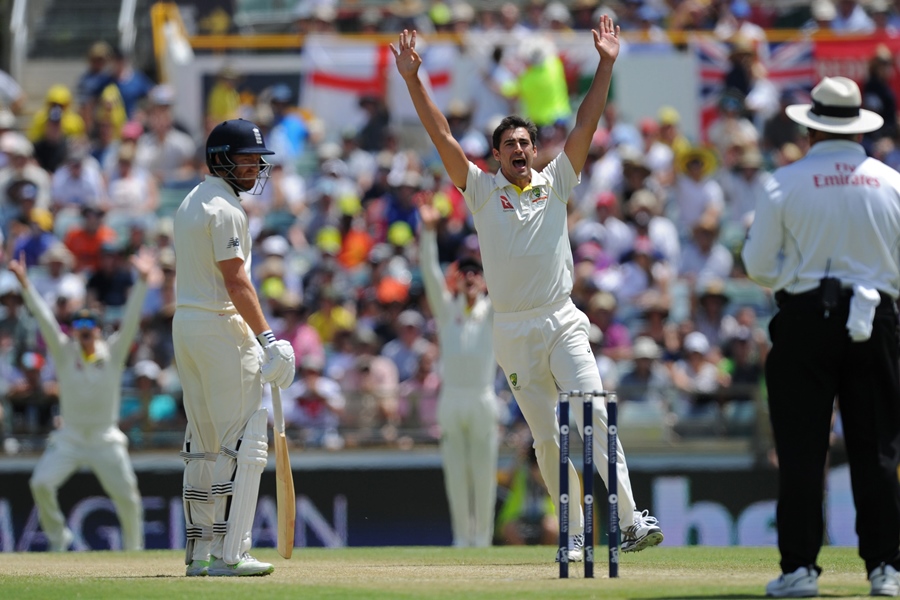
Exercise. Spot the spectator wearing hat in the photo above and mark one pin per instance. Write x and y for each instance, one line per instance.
(744, 364)
(405, 349)
(86, 239)
(703, 256)
(741, 186)
(79, 182)
(823, 13)
(133, 192)
(731, 126)
(657, 155)
(709, 314)
(58, 96)
(21, 166)
(648, 381)
(642, 270)
(314, 406)
(89, 370)
(133, 85)
(21, 197)
(696, 379)
(56, 280)
(670, 132)
(635, 172)
(32, 394)
(601, 311)
(696, 193)
(51, 149)
(163, 149)
(467, 407)
(145, 407)
(289, 132)
(372, 389)
(646, 220)
(92, 80)
(735, 23)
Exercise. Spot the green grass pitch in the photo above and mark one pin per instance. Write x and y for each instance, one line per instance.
(517, 573)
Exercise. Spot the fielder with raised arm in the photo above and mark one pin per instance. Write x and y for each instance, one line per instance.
(467, 407)
(540, 337)
(225, 351)
(89, 371)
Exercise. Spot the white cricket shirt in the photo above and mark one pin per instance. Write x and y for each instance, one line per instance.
(465, 336)
(836, 204)
(90, 388)
(210, 226)
(524, 235)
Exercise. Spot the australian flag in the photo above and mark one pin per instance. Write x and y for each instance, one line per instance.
(791, 67)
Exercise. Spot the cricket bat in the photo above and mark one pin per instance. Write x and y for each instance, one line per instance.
(284, 481)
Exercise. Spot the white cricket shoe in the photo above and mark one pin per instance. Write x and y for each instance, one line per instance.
(576, 548)
(644, 533)
(246, 567)
(885, 581)
(802, 583)
(63, 543)
(197, 568)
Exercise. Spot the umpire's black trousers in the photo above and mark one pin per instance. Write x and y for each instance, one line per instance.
(812, 361)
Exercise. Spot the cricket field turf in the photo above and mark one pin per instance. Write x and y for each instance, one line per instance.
(517, 573)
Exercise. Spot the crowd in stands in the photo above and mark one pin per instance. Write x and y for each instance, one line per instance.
(656, 227)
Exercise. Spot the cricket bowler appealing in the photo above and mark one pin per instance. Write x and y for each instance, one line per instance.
(225, 352)
(89, 370)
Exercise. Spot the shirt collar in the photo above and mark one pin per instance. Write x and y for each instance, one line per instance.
(537, 178)
(836, 145)
(229, 194)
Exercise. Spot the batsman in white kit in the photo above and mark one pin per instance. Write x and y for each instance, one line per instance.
(540, 337)
(225, 352)
(467, 407)
(89, 370)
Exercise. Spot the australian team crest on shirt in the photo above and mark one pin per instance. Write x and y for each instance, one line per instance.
(538, 196)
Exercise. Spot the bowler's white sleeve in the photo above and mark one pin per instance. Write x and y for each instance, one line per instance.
(50, 330)
(762, 252)
(120, 342)
(479, 187)
(439, 299)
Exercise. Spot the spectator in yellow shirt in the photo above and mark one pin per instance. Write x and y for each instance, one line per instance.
(72, 124)
(331, 316)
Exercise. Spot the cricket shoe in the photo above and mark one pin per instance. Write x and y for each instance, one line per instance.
(62, 544)
(802, 583)
(576, 548)
(644, 533)
(246, 567)
(885, 581)
(197, 568)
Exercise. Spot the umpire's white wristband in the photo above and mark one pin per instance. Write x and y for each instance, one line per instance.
(266, 338)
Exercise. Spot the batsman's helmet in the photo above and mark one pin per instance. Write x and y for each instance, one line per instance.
(228, 138)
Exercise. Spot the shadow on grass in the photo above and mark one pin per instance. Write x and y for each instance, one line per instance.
(734, 596)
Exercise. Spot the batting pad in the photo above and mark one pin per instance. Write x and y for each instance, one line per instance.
(198, 501)
(236, 486)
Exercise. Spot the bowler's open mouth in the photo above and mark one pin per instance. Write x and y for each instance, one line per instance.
(519, 163)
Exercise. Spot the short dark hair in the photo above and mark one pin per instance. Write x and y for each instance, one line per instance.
(514, 122)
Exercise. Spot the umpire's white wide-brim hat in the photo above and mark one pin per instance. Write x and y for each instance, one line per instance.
(836, 108)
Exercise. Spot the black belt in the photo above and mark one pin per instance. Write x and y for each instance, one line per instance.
(813, 296)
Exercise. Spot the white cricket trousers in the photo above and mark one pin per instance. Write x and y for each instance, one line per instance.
(105, 453)
(543, 351)
(218, 365)
(469, 438)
